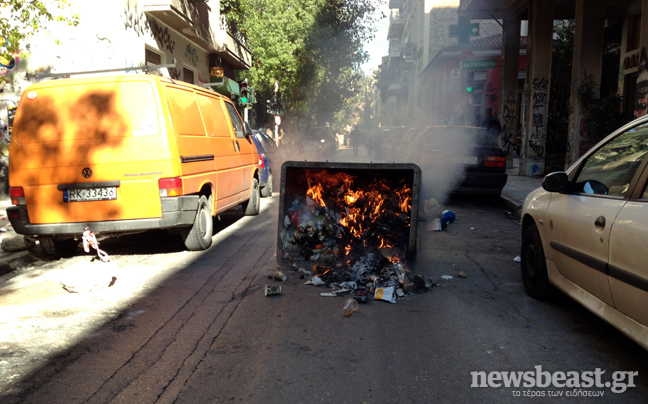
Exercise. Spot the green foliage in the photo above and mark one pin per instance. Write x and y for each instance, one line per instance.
(313, 48)
(19, 18)
(559, 103)
(603, 114)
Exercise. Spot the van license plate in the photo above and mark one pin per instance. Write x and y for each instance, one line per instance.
(90, 194)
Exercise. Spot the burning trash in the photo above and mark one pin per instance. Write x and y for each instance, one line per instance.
(352, 225)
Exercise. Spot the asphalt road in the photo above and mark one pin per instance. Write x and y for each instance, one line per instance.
(186, 327)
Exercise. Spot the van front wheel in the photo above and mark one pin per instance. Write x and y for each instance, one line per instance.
(253, 205)
(198, 237)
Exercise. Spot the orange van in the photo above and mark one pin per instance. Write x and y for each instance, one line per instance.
(124, 154)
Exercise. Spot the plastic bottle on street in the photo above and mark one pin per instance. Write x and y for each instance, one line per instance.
(350, 306)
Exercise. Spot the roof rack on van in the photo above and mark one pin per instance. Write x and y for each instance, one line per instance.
(119, 69)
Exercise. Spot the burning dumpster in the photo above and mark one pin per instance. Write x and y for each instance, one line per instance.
(352, 223)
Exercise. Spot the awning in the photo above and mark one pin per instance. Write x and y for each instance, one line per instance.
(225, 86)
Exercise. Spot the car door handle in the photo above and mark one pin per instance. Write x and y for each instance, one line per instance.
(235, 143)
(600, 221)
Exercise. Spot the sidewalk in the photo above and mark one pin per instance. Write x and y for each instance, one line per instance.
(518, 187)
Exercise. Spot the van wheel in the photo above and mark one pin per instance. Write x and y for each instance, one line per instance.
(198, 237)
(253, 205)
(57, 249)
(534, 267)
(266, 191)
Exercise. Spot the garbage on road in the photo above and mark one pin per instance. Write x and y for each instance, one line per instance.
(350, 307)
(272, 290)
(351, 225)
(438, 219)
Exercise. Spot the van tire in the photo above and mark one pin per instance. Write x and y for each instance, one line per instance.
(253, 205)
(198, 237)
(57, 249)
(266, 191)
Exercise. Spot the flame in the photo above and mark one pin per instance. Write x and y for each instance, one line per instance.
(360, 207)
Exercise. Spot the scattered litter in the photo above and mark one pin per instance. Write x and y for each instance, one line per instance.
(448, 216)
(446, 277)
(89, 240)
(431, 208)
(350, 306)
(3, 229)
(434, 225)
(279, 276)
(462, 275)
(472, 228)
(386, 294)
(328, 294)
(517, 259)
(361, 296)
(316, 280)
(272, 290)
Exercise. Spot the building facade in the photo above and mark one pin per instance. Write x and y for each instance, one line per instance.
(188, 38)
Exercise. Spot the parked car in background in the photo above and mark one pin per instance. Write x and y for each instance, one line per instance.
(457, 159)
(262, 143)
(584, 232)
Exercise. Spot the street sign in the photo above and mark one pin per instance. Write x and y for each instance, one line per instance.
(483, 64)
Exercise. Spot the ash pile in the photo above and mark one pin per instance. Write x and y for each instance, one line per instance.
(351, 226)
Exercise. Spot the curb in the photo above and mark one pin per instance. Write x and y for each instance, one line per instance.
(512, 204)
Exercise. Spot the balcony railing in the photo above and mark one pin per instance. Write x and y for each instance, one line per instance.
(196, 21)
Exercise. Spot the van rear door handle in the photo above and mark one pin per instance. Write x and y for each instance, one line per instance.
(237, 148)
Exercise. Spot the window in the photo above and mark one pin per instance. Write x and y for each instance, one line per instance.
(611, 168)
(188, 75)
(237, 123)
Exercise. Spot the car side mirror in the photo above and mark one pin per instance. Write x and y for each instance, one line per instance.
(556, 182)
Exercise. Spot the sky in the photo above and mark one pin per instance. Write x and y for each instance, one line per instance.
(380, 45)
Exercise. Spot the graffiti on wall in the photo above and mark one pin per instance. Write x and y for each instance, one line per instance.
(509, 123)
(539, 98)
(191, 55)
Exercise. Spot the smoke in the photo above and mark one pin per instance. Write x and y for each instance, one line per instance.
(442, 153)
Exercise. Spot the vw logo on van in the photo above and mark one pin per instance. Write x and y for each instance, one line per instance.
(86, 172)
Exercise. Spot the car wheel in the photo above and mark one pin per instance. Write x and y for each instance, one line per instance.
(266, 191)
(253, 205)
(57, 249)
(198, 237)
(534, 267)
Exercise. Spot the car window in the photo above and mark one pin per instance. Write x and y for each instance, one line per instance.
(610, 169)
(237, 123)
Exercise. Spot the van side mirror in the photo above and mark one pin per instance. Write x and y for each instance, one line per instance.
(556, 182)
(248, 131)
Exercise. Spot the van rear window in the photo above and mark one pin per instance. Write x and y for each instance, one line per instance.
(73, 112)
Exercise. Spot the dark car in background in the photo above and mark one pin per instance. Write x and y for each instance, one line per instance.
(263, 143)
(458, 160)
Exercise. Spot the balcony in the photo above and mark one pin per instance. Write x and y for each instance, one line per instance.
(197, 22)
(396, 24)
(410, 51)
(394, 89)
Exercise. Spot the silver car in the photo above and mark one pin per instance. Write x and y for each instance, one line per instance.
(583, 232)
